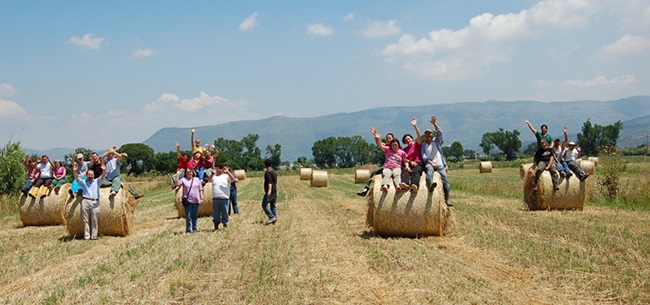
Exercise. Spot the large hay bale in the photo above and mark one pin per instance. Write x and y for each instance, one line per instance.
(44, 211)
(305, 173)
(115, 217)
(361, 176)
(588, 166)
(205, 208)
(595, 160)
(570, 196)
(407, 213)
(240, 174)
(485, 167)
(523, 169)
(319, 178)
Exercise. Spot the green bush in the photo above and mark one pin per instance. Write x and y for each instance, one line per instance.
(12, 171)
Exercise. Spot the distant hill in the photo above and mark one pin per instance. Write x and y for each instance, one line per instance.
(463, 122)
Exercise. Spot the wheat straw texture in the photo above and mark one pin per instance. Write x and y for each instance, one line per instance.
(205, 208)
(115, 217)
(44, 211)
(595, 160)
(361, 176)
(240, 174)
(305, 173)
(523, 169)
(485, 167)
(407, 213)
(588, 166)
(570, 196)
(319, 179)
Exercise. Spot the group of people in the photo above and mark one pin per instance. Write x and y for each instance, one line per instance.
(193, 173)
(406, 165)
(43, 176)
(560, 159)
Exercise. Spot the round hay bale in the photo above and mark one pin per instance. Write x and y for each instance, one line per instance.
(45, 211)
(407, 213)
(305, 173)
(205, 208)
(240, 174)
(319, 179)
(588, 166)
(523, 169)
(594, 160)
(115, 217)
(485, 167)
(361, 176)
(570, 196)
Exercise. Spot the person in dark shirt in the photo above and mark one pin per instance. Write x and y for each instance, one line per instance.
(545, 160)
(270, 192)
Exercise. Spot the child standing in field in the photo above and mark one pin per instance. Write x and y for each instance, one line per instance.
(395, 157)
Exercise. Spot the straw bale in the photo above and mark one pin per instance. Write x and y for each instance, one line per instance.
(305, 173)
(523, 169)
(205, 208)
(240, 174)
(44, 211)
(115, 217)
(407, 213)
(485, 167)
(361, 176)
(595, 160)
(570, 196)
(588, 166)
(319, 179)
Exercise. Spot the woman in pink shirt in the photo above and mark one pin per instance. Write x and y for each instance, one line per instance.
(395, 157)
(412, 169)
(59, 176)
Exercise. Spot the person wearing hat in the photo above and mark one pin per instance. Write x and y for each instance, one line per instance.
(541, 135)
(558, 153)
(571, 156)
(434, 159)
(81, 170)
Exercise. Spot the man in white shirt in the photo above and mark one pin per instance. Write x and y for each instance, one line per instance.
(221, 195)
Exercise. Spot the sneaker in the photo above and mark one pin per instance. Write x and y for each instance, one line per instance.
(363, 192)
(271, 221)
(225, 226)
(138, 196)
(562, 174)
(557, 188)
(113, 193)
(384, 188)
(584, 177)
(414, 188)
(403, 186)
(569, 174)
(535, 188)
(398, 190)
(449, 204)
(71, 193)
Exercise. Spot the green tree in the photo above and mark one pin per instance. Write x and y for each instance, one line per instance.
(302, 161)
(469, 154)
(12, 171)
(531, 149)
(274, 153)
(594, 137)
(252, 157)
(507, 141)
(487, 143)
(456, 150)
(324, 152)
(165, 162)
(230, 153)
(140, 158)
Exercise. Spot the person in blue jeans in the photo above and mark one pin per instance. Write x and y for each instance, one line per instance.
(192, 190)
(270, 193)
(220, 195)
(233, 196)
(434, 159)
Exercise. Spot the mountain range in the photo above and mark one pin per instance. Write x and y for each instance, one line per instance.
(465, 122)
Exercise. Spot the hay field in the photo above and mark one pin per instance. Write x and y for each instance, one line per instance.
(320, 252)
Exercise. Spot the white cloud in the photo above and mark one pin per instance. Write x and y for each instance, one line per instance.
(381, 29)
(7, 90)
(319, 29)
(162, 102)
(601, 81)
(142, 53)
(349, 17)
(627, 45)
(249, 22)
(11, 110)
(543, 84)
(194, 104)
(86, 42)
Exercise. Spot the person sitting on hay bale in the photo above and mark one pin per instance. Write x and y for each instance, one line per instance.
(82, 170)
(208, 162)
(90, 201)
(558, 153)
(412, 168)
(45, 177)
(32, 173)
(113, 161)
(394, 158)
(545, 160)
(59, 176)
(541, 136)
(571, 156)
(364, 191)
(183, 165)
(434, 159)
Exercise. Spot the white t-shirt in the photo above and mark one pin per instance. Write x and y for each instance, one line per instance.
(221, 186)
(558, 153)
(46, 170)
(571, 155)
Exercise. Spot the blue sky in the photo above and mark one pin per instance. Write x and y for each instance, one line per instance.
(102, 73)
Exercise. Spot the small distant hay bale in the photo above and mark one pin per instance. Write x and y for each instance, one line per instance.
(595, 160)
(240, 174)
(205, 208)
(570, 196)
(115, 217)
(523, 169)
(408, 214)
(588, 166)
(305, 173)
(485, 167)
(361, 176)
(45, 211)
(319, 179)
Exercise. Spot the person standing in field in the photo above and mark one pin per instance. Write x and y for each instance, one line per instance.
(270, 192)
(233, 196)
(434, 159)
(364, 191)
(412, 168)
(541, 135)
(192, 190)
(221, 195)
(393, 160)
(90, 201)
